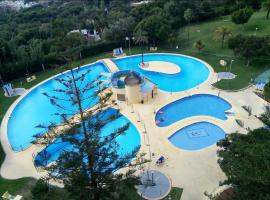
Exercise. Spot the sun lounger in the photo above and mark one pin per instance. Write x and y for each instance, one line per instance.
(8, 90)
(153, 48)
(260, 86)
(118, 52)
(30, 79)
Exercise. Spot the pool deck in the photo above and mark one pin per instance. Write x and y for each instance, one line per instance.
(194, 171)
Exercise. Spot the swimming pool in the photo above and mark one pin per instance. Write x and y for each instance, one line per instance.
(35, 108)
(197, 136)
(195, 105)
(127, 142)
(193, 72)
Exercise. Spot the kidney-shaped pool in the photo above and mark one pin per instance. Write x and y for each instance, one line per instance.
(195, 105)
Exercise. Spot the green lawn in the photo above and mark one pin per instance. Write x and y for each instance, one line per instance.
(213, 52)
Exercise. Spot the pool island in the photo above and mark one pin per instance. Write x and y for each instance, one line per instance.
(160, 67)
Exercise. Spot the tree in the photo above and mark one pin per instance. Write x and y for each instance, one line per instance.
(156, 28)
(141, 38)
(188, 15)
(43, 191)
(123, 27)
(254, 4)
(199, 44)
(266, 91)
(245, 159)
(36, 52)
(221, 33)
(250, 46)
(23, 56)
(174, 11)
(266, 5)
(242, 16)
(88, 170)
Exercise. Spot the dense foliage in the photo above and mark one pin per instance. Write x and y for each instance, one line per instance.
(242, 16)
(245, 159)
(267, 91)
(38, 38)
(250, 46)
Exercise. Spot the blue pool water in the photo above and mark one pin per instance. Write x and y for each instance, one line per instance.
(193, 72)
(127, 142)
(35, 108)
(201, 104)
(197, 136)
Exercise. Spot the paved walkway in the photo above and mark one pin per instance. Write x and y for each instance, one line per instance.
(194, 171)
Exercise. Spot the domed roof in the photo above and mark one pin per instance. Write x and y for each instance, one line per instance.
(133, 79)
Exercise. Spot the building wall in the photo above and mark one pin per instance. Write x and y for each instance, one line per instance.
(133, 94)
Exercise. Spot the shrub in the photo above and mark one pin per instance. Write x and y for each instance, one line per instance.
(248, 109)
(267, 91)
(240, 123)
(91, 50)
(265, 117)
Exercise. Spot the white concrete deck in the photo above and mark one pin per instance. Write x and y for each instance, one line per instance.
(161, 67)
(194, 171)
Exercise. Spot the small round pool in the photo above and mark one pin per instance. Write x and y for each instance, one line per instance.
(197, 136)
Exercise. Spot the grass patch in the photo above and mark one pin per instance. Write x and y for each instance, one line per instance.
(213, 52)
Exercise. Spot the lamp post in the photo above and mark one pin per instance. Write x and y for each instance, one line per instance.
(256, 31)
(128, 39)
(231, 65)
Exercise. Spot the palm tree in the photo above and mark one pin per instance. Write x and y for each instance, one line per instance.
(199, 44)
(188, 15)
(141, 38)
(221, 33)
(266, 5)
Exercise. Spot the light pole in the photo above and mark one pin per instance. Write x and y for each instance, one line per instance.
(128, 39)
(231, 65)
(256, 31)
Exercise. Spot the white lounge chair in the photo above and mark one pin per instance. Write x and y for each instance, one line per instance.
(260, 86)
(118, 52)
(8, 90)
(30, 79)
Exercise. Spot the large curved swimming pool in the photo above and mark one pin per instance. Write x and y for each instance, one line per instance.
(197, 136)
(35, 108)
(195, 105)
(129, 141)
(193, 72)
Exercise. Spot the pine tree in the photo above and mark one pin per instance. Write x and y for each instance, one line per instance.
(88, 171)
